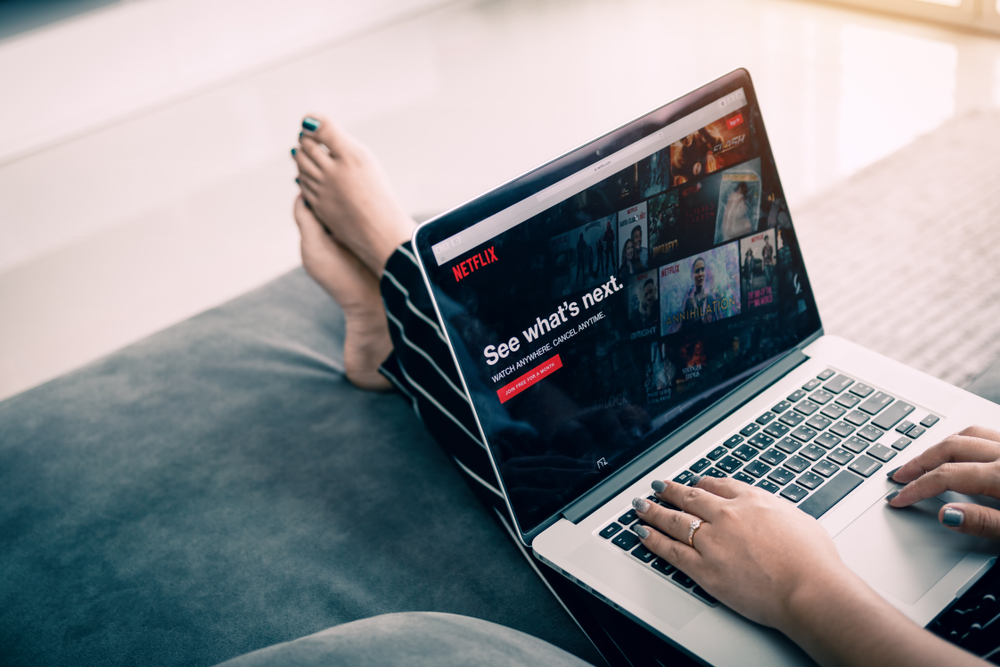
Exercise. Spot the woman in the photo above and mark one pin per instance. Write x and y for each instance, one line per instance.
(630, 265)
(754, 551)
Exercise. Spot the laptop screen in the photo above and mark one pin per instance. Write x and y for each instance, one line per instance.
(602, 301)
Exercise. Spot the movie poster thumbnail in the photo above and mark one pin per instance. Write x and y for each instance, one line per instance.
(660, 373)
(633, 241)
(643, 305)
(758, 278)
(701, 289)
(654, 173)
(716, 146)
(619, 189)
(663, 216)
(739, 202)
(699, 203)
(692, 362)
(581, 256)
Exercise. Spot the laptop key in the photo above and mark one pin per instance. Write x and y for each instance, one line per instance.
(806, 407)
(825, 468)
(840, 456)
(826, 375)
(833, 411)
(848, 400)
(780, 476)
(826, 440)
(610, 530)
(683, 579)
(776, 430)
(812, 452)
(773, 457)
(881, 452)
(743, 477)
(794, 492)
(626, 540)
(864, 466)
(904, 426)
(729, 463)
(745, 452)
(781, 407)
(804, 433)
(812, 384)
(862, 390)
(809, 481)
(797, 463)
(757, 469)
(714, 472)
(916, 431)
(929, 421)
(788, 445)
(765, 418)
(876, 403)
(700, 465)
(902, 443)
(749, 430)
(821, 396)
(663, 567)
(842, 429)
(818, 422)
(856, 417)
(871, 433)
(892, 415)
(792, 418)
(796, 395)
(770, 487)
(717, 453)
(628, 517)
(643, 554)
(760, 441)
(838, 384)
(705, 595)
(817, 504)
(856, 444)
(684, 477)
(733, 441)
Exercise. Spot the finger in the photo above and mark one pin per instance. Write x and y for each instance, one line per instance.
(306, 165)
(958, 447)
(969, 478)
(316, 153)
(693, 499)
(678, 554)
(724, 487)
(675, 523)
(971, 519)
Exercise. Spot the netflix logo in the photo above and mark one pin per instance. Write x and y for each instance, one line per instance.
(474, 263)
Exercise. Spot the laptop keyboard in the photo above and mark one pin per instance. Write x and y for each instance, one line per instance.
(812, 448)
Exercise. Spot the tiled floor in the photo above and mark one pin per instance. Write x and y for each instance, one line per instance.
(121, 214)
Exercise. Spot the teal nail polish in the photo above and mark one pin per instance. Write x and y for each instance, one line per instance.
(300, 135)
(296, 181)
(659, 485)
(892, 495)
(953, 517)
(640, 504)
(641, 531)
(310, 124)
(893, 472)
(307, 204)
(293, 152)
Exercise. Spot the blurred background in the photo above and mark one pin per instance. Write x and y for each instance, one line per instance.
(144, 144)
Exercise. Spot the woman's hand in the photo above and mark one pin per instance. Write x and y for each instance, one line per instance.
(967, 462)
(754, 551)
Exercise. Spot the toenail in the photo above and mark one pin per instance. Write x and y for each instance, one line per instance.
(296, 180)
(300, 135)
(293, 152)
(310, 124)
(307, 204)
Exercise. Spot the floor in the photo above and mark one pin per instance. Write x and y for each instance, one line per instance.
(144, 168)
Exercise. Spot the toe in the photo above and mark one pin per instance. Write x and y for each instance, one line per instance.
(329, 134)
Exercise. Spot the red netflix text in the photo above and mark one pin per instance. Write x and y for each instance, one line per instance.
(474, 263)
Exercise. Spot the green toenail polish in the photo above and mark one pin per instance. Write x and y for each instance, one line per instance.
(310, 124)
(293, 152)
(296, 180)
(300, 135)
(307, 204)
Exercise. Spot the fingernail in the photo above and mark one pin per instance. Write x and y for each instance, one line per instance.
(310, 124)
(892, 495)
(893, 472)
(696, 479)
(293, 152)
(641, 531)
(659, 485)
(640, 504)
(953, 517)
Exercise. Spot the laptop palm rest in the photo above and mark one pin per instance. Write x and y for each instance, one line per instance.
(902, 552)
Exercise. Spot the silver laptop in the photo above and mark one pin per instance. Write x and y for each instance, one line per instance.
(639, 309)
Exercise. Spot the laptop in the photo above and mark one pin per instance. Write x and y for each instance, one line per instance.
(639, 309)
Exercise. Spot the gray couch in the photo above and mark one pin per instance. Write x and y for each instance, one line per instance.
(220, 487)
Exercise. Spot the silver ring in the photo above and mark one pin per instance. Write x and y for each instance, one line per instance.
(695, 525)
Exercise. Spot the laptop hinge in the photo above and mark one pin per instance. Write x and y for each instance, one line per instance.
(603, 492)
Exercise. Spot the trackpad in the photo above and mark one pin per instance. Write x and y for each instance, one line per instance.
(902, 552)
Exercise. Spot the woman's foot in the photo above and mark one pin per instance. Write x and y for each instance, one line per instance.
(366, 342)
(348, 193)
